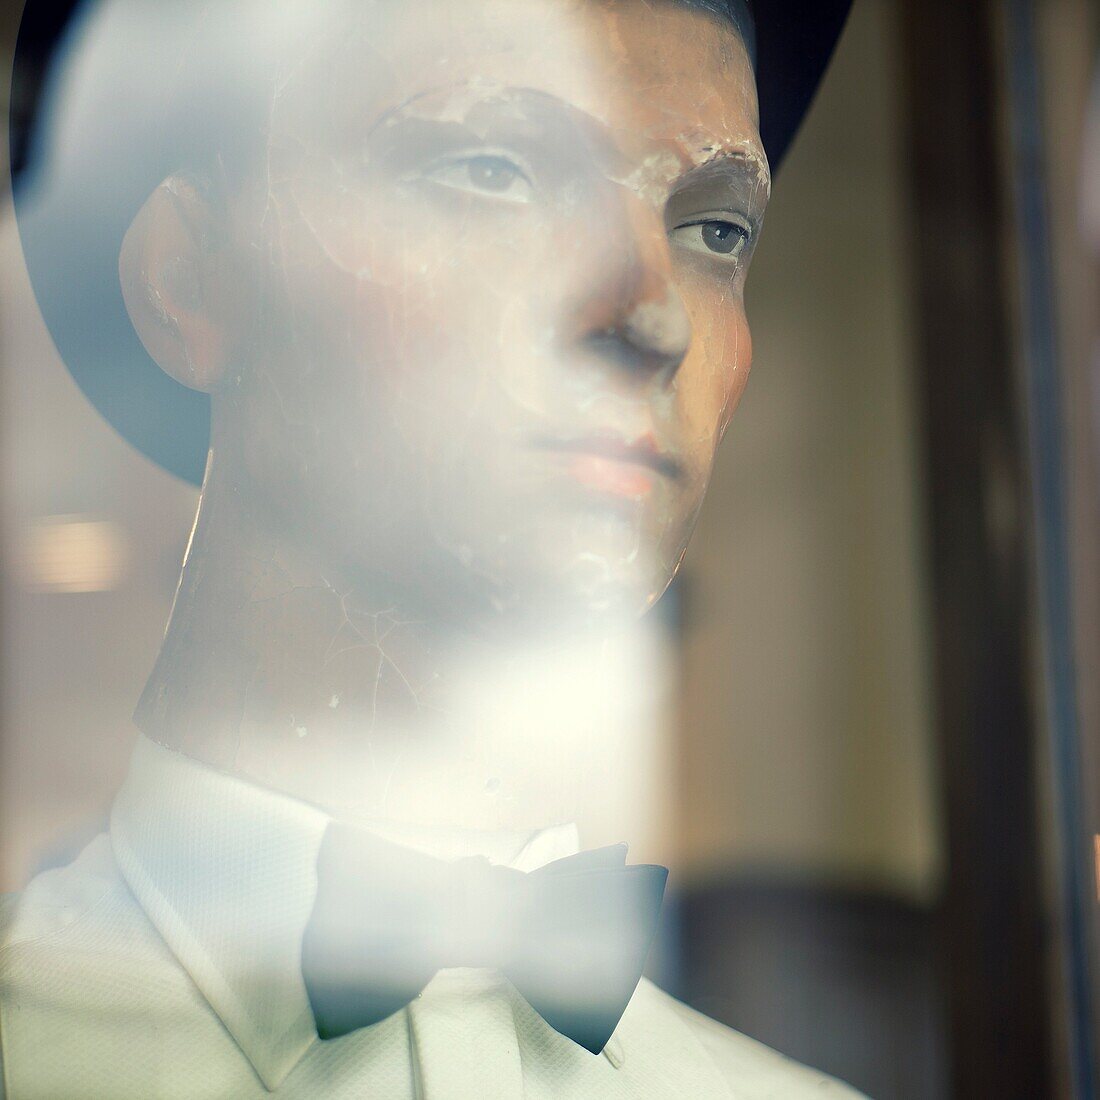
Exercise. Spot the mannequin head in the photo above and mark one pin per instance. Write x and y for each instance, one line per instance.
(473, 324)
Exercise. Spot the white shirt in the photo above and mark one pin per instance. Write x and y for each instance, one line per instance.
(165, 962)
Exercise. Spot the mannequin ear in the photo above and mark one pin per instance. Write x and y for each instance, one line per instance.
(183, 288)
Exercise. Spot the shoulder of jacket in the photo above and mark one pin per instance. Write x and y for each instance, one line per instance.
(752, 1070)
(58, 899)
(34, 925)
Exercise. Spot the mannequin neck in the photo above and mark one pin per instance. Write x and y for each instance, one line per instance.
(275, 670)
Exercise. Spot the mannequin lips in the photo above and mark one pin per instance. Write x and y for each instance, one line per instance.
(612, 465)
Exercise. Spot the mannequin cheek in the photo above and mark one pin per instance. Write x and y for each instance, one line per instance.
(713, 378)
(731, 357)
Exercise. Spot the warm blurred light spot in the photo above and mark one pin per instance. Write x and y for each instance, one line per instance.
(73, 554)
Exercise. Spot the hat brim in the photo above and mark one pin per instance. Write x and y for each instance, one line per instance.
(72, 221)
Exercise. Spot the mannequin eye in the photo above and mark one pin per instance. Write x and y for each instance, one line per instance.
(727, 239)
(492, 175)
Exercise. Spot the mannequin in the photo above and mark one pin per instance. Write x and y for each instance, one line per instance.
(468, 305)
(472, 339)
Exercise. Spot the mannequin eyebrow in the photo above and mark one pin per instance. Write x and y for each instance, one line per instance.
(742, 161)
(736, 181)
(729, 169)
(739, 170)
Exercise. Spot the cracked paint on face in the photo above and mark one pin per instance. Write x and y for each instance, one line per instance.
(503, 255)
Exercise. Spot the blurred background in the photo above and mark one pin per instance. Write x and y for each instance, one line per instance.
(873, 755)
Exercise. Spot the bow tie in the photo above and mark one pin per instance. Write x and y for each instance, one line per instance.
(572, 937)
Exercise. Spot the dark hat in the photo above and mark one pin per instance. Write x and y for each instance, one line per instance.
(78, 182)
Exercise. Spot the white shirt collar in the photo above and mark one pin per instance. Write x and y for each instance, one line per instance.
(226, 872)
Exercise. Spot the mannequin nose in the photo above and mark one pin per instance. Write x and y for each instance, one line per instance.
(635, 316)
(659, 328)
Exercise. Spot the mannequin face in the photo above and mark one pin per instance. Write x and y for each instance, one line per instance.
(500, 252)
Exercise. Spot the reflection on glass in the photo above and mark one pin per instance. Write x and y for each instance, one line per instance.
(460, 291)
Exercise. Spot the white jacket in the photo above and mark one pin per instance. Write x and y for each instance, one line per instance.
(164, 963)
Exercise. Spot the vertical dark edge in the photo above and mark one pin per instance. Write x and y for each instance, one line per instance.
(993, 944)
(1048, 450)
